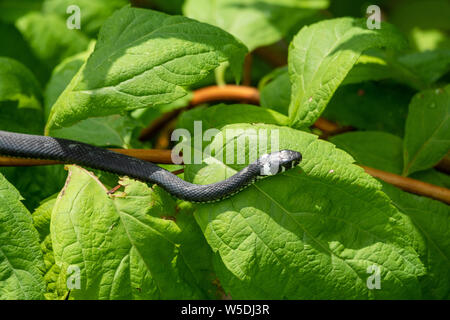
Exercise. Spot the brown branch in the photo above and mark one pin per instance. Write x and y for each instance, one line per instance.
(411, 185)
(156, 156)
(227, 93)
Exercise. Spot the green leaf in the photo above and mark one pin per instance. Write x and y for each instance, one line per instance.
(108, 131)
(432, 218)
(17, 83)
(320, 57)
(433, 176)
(418, 70)
(429, 39)
(254, 22)
(20, 98)
(379, 150)
(371, 106)
(368, 68)
(21, 261)
(35, 183)
(93, 12)
(429, 66)
(41, 221)
(62, 75)
(19, 50)
(221, 115)
(127, 245)
(308, 233)
(276, 94)
(171, 7)
(128, 70)
(383, 151)
(50, 39)
(111, 131)
(427, 132)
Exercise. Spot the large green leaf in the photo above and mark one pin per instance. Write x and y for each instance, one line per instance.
(50, 39)
(108, 131)
(427, 132)
(311, 232)
(128, 70)
(21, 261)
(432, 218)
(93, 12)
(320, 57)
(254, 22)
(131, 244)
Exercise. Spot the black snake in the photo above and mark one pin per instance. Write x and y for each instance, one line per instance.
(73, 152)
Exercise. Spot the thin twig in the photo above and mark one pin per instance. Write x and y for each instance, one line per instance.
(152, 155)
(226, 93)
(411, 185)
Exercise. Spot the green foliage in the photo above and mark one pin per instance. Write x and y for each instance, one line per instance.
(127, 70)
(49, 38)
(432, 218)
(126, 245)
(254, 22)
(10, 11)
(111, 130)
(316, 231)
(427, 133)
(20, 98)
(93, 12)
(21, 260)
(371, 106)
(321, 55)
(275, 241)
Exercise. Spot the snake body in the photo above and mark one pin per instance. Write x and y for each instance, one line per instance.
(73, 152)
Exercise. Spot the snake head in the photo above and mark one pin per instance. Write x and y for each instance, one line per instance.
(279, 161)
